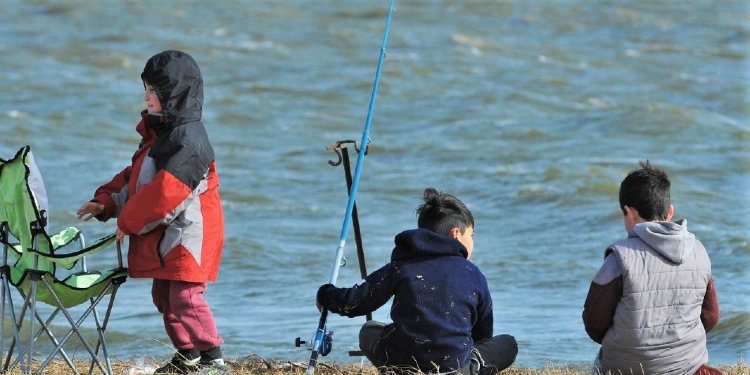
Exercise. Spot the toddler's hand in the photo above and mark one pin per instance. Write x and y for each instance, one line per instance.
(89, 210)
(119, 235)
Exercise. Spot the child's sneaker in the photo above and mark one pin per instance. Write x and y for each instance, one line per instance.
(183, 362)
(213, 367)
(212, 363)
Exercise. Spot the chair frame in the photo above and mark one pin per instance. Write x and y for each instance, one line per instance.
(44, 279)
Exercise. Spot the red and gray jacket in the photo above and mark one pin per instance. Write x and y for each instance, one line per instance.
(167, 200)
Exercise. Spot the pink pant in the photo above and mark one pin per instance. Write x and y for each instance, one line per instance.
(187, 317)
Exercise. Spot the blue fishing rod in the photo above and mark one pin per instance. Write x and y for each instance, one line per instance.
(321, 344)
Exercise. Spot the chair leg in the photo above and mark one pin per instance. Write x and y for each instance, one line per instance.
(4, 279)
(16, 326)
(102, 328)
(2, 313)
(30, 351)
(101, 338)
(24, 355)
(74, 327)
(45, 329)
(4, 286)
(17, 323)
(53, 339)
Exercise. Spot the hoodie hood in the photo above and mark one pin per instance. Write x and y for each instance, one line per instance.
(420, 243)
(670, 239)
(178, 84)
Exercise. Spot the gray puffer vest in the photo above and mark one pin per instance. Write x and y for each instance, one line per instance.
(657, 327)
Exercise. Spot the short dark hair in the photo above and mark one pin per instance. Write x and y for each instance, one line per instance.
(441, 212)
(647, 190)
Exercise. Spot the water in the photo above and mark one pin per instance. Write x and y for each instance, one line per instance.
(531, 112)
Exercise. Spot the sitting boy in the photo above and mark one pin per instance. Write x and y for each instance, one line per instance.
(442, 309)
(653, 300)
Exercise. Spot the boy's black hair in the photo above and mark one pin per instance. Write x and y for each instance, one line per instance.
(441, 212)
(646, 190)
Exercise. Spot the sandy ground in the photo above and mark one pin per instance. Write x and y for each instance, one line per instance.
(257, 365)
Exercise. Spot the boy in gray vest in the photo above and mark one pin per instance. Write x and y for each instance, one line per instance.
(653, 299)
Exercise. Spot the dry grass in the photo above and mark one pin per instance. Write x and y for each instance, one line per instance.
(259, 366)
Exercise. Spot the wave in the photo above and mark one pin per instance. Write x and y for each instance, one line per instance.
(732, 334)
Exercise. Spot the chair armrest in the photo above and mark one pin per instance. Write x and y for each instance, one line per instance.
(69, 260)
(64, 238)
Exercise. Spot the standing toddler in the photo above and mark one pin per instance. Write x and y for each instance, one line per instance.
(167, 202)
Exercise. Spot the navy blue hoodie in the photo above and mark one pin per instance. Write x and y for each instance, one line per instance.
(441, 303)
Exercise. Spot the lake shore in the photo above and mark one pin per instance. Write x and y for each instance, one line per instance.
(257, 365)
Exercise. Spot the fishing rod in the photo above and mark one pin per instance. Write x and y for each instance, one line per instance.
(322, 342)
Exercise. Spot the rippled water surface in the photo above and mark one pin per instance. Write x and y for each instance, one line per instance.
(530, 111)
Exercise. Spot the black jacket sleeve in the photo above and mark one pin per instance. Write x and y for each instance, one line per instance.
(483, 327)
(362, 298)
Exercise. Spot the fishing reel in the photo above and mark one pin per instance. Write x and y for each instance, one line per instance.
(325, 346)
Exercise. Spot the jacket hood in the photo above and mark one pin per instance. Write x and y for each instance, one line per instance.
(420, 243)
(670, 239)
(178, 84)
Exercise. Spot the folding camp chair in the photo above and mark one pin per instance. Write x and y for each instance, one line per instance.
(30, 263)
